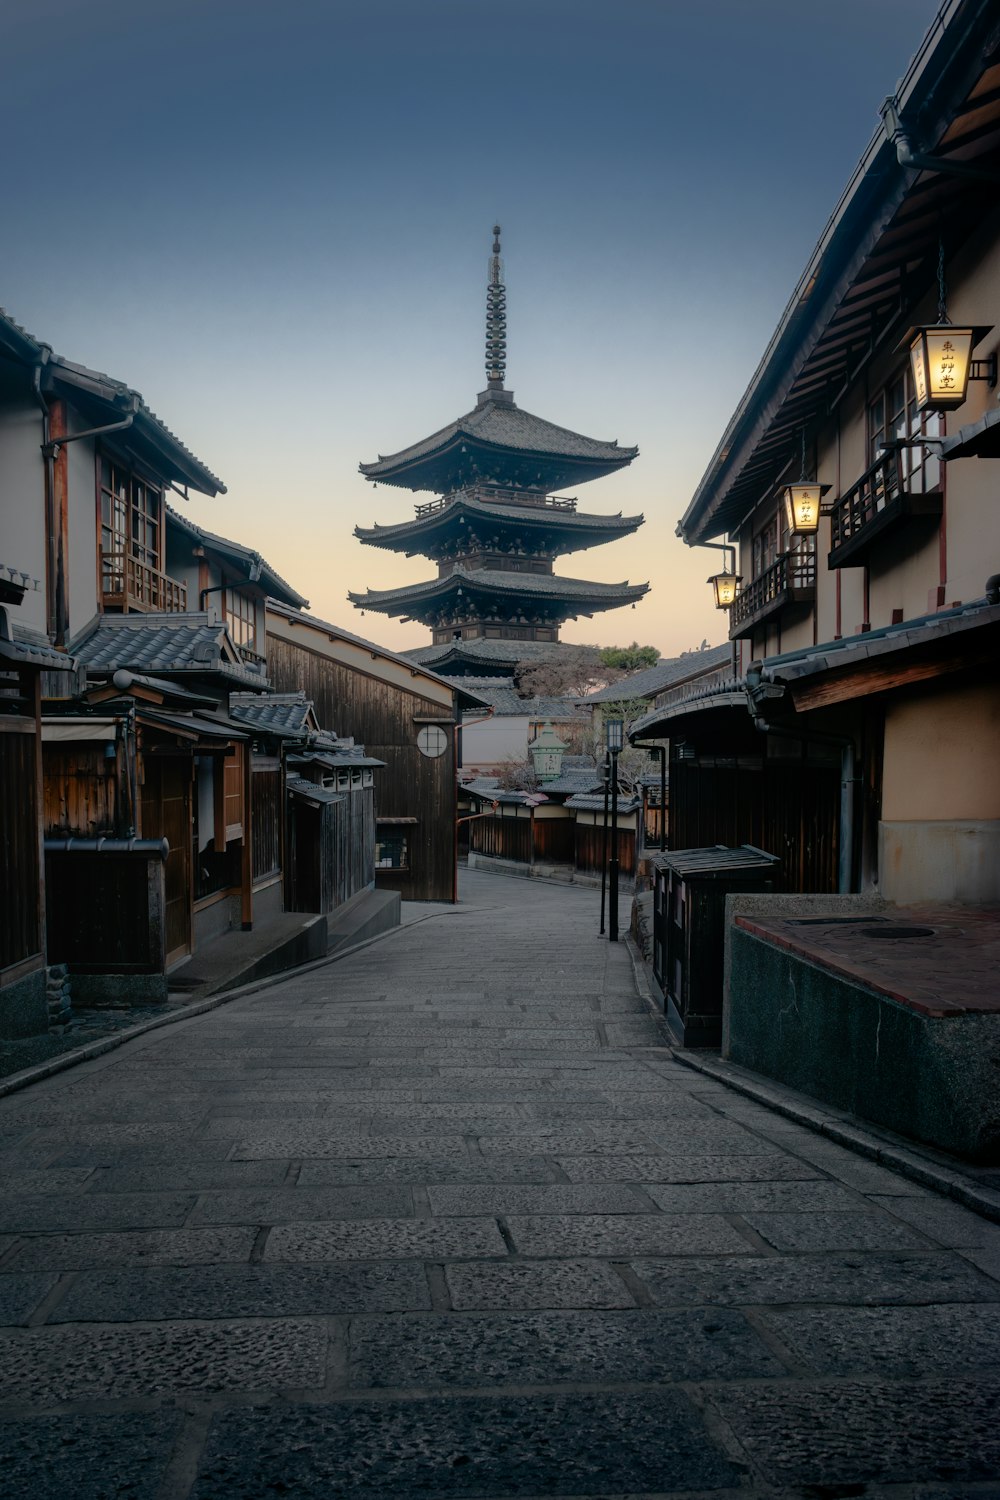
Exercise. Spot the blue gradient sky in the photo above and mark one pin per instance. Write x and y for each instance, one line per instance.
(273, 220)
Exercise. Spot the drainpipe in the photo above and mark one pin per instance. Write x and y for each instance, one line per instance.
(920, 161)
(50, 485)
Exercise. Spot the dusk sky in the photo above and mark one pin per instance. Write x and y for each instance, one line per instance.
(274, 221)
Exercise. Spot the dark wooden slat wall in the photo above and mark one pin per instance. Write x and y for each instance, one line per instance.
(265, 822)
(381, 715)
(590, 847)
(502, 838)
(787, 809)
(20, 935)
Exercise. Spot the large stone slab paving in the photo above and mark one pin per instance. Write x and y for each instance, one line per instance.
(21, 1294)
(897, 1341)
(72, 1211)
(626, 1235)
(308, 1141)
(470, 1168)
(195, 1149)
(557, 1198)
(525, 1284)
(172, 1175)
(835, 1231)
(43, 1180)
(754, 1197)
(862, 1432)
(44, 1366)
(444, 1449)
(87, 1457)
(774, 1167)
(386, 1239)
(944, 1222)
(258, 1291)
(166, 1247)
(757, 1281)
(555, 1348)
(302, 1205)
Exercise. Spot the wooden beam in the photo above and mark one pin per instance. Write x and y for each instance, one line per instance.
(881, 676)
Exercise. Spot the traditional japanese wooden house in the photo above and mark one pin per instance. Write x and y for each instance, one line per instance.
(497, 526)
(407, 718)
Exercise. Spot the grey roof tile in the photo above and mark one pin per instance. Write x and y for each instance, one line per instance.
(286, 713)
(495, 581)
(505, 426)
(164, 643)
(270, 580)
(666, 673)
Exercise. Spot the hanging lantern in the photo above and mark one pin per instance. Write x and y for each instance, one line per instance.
(726, 586)
(941, 362)
(802, 502)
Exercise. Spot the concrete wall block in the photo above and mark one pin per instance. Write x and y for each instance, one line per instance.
(956, 860)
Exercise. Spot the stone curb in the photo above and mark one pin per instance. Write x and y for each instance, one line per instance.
(90, 1050)
(909, 1163)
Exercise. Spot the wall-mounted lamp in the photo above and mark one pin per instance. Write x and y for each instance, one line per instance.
(803, 506)
(941, 360)
(726, 586)
(942, 365)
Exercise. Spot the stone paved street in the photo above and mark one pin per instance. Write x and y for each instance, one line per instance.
(445, 1219)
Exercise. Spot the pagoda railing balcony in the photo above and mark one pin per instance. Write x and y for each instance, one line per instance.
(128, 583)
(899, 487)
(498, 497)
(791, 579)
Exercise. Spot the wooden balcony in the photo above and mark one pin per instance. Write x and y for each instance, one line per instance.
(790, 580)
(885, 498)
(129, 584)
(249, 657)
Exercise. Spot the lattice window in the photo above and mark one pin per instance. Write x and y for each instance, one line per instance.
(241, 617)
(392, 849)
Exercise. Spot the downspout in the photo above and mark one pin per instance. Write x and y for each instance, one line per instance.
(920, 161)
(49, 460)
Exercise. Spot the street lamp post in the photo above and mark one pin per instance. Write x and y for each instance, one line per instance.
(604, 847)
(614, 739)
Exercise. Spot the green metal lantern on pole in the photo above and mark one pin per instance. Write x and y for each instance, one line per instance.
(547, 751)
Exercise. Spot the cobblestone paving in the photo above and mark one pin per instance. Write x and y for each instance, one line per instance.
(446, 1219)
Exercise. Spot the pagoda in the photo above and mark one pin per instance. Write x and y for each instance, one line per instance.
(496, 525)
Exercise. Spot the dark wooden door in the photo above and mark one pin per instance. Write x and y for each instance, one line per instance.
(166, 814)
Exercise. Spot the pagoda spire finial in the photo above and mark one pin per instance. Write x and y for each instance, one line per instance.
(496, 319)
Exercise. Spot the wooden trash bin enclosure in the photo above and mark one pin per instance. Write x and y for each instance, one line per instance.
(690, 887)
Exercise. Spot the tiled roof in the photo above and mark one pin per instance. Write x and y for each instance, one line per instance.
(163, 643)
(586, 802)
(312, 791)
(483, 649)
(31, 653)
(122, 397)
(666, 673)
(533, 516)
(283, 713)
(258, 569)
(507, 703)
(574, 782)
(494, 581)
(337, 631)
(504, 425)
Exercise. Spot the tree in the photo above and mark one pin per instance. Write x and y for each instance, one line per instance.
(570, 672)
(629, 658)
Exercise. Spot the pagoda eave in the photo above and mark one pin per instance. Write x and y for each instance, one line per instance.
(549, 529)
(473, 593)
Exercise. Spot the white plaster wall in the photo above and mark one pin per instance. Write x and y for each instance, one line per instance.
(494, 740)
(22, 505)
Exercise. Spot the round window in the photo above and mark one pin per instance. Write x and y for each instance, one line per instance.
(432, 741)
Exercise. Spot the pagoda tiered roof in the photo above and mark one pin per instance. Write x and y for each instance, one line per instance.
(551, 525)
(499, 443)
(563, 598)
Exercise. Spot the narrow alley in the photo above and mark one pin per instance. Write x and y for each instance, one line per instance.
(445, 1218)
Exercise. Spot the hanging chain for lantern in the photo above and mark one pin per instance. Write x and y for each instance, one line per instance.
(942, 316)
(496, 318)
